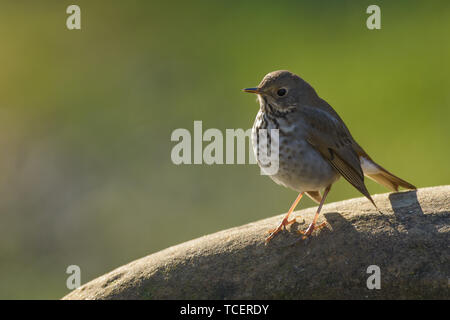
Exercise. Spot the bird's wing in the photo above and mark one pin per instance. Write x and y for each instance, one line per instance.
(329, 135)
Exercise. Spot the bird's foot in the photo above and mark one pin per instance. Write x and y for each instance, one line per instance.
(283, 224)
(311, 228)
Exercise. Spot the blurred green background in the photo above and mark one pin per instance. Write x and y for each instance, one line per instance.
(86, 118)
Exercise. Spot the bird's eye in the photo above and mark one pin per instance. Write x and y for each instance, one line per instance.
(281, 92)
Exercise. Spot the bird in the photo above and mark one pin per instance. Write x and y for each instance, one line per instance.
(315, 147)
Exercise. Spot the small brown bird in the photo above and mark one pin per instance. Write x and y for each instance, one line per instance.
(315, 146)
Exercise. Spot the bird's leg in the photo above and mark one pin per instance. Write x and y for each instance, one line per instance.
(285, 221)
(313, 226)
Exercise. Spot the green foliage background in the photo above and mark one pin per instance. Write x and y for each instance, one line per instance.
(86, 118)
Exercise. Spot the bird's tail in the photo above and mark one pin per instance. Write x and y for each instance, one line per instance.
(381, 175)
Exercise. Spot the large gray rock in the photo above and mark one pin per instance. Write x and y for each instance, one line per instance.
(409, 242)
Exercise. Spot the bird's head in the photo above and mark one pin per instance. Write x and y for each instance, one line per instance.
(282, 90)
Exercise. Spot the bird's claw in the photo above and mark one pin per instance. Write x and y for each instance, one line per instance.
(310, 229)
(283, 224)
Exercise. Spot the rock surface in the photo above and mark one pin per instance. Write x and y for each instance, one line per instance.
(409, 242)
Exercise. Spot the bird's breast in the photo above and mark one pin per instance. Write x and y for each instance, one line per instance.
(300, 166)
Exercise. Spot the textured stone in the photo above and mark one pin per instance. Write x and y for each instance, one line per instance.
(409, 242)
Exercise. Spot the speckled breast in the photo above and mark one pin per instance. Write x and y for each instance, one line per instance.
(300, 166)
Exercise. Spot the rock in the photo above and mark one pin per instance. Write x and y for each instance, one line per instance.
(409, 243)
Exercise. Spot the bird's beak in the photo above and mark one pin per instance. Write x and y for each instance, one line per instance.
(252, 90)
